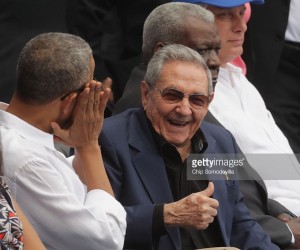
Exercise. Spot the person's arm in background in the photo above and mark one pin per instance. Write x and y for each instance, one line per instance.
(263, 209)
(278, 231)
(293, 223)
(31, 239)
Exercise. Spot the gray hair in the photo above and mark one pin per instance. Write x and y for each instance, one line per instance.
(175, 52)
(166, 23)
(51, 65)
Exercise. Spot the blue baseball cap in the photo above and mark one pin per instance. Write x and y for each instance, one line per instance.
(223, 3)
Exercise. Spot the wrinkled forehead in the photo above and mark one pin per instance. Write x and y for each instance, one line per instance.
(188, 76)
(215, 9)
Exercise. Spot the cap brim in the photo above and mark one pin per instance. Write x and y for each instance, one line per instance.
(223, 3)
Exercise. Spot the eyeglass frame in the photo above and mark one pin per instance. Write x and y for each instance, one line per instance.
(184, 95)
(79, 90)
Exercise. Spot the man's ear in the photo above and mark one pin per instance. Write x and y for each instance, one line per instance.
(211, 97)
(144, 93)
(68, 104)
(158, 46)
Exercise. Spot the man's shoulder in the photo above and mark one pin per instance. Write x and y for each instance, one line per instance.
(123, 120)
(218, 138)
(130, 127)
(214, 129)
(125, 115)
(18, 150)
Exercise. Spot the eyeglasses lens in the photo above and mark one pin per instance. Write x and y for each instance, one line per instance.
(173, 96)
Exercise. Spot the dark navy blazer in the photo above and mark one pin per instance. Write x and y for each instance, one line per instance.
(138, 176)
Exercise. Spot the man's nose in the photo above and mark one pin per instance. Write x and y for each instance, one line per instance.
(240, 24)
(213, 61)
(184, 107)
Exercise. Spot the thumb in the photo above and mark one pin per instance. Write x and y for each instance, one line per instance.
(209, 190)
(57, 131)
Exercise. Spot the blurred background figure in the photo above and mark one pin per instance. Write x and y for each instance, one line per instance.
(272, 56)
(113, 28)
(19, 22)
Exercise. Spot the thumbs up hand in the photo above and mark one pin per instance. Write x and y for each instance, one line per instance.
(195, 211)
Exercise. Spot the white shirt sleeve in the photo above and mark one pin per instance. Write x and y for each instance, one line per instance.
(293, 237)
(64, 215)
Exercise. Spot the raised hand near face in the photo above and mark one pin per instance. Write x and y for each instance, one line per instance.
(88, 116)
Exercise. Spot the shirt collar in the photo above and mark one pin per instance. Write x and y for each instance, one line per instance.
(232, 68)
(26, 130)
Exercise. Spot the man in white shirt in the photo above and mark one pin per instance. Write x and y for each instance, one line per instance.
(272, 55)
(69, 201)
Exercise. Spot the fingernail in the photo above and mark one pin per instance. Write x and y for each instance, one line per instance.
(99, 88)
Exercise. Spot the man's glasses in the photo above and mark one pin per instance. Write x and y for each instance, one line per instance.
(170, 95)
(79, 90)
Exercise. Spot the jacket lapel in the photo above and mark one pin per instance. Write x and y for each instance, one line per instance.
(147, 160)
(150, 165)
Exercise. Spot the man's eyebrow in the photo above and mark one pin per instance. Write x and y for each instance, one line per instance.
(205, 43)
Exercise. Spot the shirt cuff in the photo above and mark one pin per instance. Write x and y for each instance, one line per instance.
(158, 224)
(293, 237)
